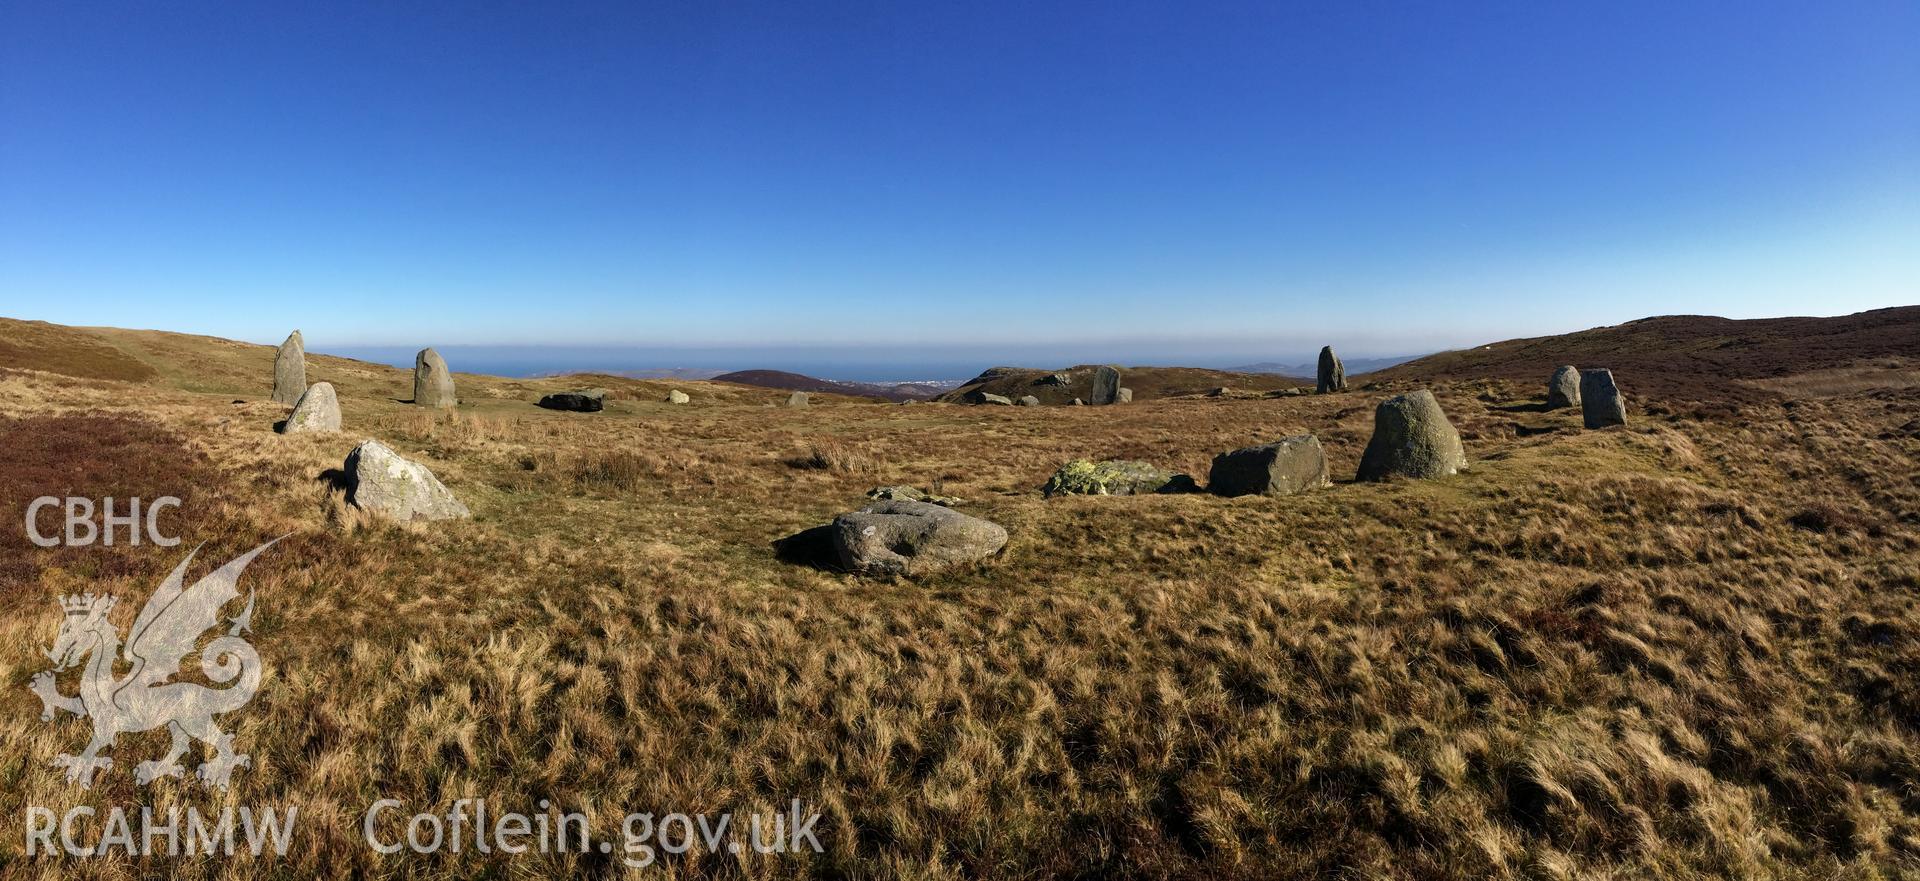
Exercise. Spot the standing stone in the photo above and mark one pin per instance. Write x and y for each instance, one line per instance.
(1282, 468)
(317, 410)
(797, 399)
(1563, 390)
(432, 382)
(1106, 386)
(1412, 438)
(1601, 403)
(1333, 374)
(1124, 396)
(290, 370)
(677, 396)
(379, 480)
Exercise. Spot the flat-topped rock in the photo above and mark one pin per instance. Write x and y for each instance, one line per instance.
(582, 401)
(1113, 478)
(1287, 466)
(912, 538)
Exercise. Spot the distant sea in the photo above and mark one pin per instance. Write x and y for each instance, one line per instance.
(847, 364)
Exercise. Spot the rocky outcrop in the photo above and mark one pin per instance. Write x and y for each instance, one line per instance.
(583, 401)
(290, 370)
(1106, 386)
(912, 538)
(1113, 478)
(1412, 438)
(382, 481)
(432, 382)
(1563, 390)
(1333, 374)
(1601, 403)
(317, 410)
(1287, 466)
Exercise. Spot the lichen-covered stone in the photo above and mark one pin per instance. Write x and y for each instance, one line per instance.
(1110, 478)
(382, 481)
(317, 410)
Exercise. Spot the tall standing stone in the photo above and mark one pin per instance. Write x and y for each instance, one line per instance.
(1106, 385)
(290, 370)
(1333, 374)
(1563, 390)
(1601, 403)
(1412, 438)
(432, 382)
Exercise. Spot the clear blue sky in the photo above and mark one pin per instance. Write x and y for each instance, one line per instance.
(1155, 179)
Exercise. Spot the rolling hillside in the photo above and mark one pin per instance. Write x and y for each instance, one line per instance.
(1687, 357)
(1147, 383)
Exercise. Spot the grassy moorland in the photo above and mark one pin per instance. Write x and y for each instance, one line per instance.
(1689, 648)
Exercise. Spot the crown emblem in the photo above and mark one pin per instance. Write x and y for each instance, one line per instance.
(85, 604)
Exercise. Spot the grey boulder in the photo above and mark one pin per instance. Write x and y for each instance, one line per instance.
(1601, 403)
(381, 481)
(1412, 438)
(583, 401)
(1563, 390)
(290, 369)
(677, 396)
(317, 410)
(1285, 467)
(797, 399)
(1028, 401)
(912, 538)
(432, 381)
(979, 397)
(1123, 396)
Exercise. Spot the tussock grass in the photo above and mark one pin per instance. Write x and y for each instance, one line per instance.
(1687, 649)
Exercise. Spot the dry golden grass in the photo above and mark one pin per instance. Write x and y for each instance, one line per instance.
(1683, 650)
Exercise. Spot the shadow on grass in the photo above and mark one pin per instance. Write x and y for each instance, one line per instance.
(810, 547)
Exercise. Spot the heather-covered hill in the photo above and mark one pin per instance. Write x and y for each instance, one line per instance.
(1687, 357)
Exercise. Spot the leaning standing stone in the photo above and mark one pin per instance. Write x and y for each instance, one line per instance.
(432, 382)
(1333, 374)
(1601, 403)
(1281, 468)
(1563, 390)
(317, 410)
(379, 480)
(290, 370)
(1412, 438)
(1106, 386)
